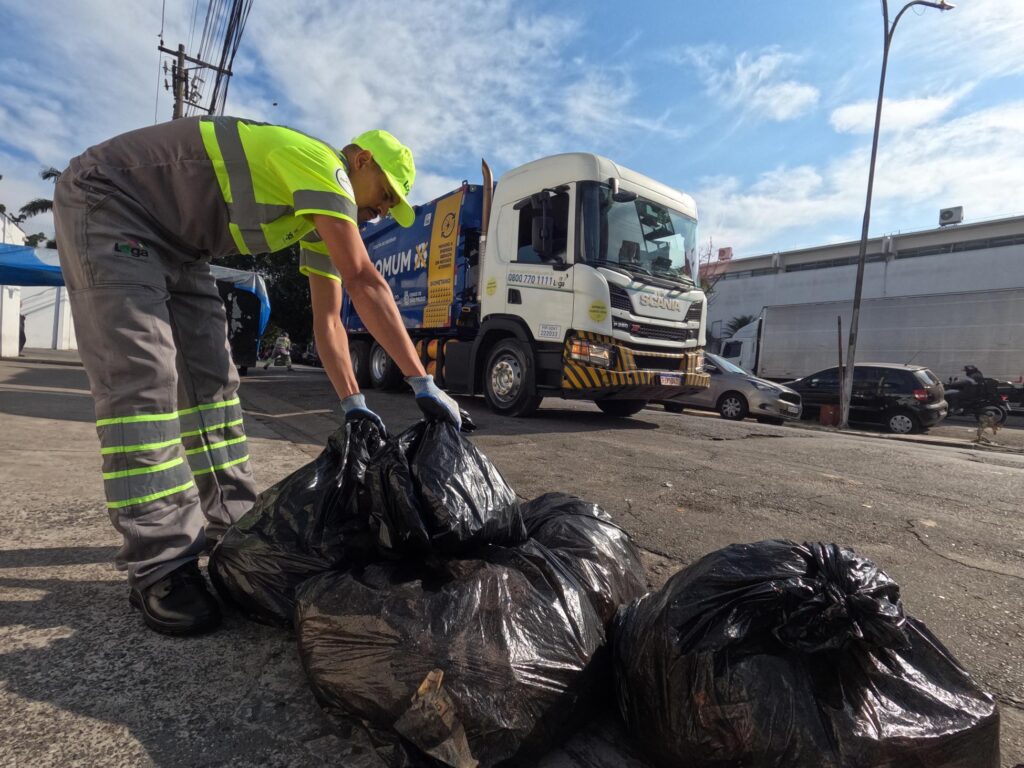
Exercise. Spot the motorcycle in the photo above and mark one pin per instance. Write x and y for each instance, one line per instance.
(978, 398)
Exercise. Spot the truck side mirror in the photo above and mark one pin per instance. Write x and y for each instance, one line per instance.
(543, 234)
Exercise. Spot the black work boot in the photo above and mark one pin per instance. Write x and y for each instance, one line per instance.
(178, 604)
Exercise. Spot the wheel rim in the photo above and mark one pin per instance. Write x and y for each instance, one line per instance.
(355, 363)
(731, 408)
(378, 363)
(506, 378)
(901, 424)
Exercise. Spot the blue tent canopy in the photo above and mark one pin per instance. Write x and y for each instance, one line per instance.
(22, 265)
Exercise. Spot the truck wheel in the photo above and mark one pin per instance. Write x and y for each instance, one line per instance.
(360, 354)
(509, 379)
(673, 407)
(243, 370)
(620, 409)
(384, 374)
(733, 406)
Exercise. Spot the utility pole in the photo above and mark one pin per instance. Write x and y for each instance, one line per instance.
(846, 389)
(186, 93)
(180, 79)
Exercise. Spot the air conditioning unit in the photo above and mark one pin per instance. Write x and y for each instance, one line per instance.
(951, 216)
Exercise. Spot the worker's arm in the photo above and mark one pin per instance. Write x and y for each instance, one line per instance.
(377, 309)
(331, 341)
(372, 298)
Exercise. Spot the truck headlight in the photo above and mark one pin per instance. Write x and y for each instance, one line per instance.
(592, 353)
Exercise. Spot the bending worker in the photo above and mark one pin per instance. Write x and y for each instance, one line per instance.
(138, 218)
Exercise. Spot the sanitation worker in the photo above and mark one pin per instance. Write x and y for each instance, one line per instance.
(138, 219)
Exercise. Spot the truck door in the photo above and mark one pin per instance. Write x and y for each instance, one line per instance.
(539, 284)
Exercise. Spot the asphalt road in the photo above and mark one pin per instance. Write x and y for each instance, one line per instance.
(82, 683)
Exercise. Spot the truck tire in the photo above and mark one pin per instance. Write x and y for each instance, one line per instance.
(509, 379)
(620, 409)
(384, 374)
(673, 407)
(733, 406)
(243, 370)
(359, 351)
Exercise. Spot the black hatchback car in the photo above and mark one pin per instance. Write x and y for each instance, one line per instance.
(903, 398)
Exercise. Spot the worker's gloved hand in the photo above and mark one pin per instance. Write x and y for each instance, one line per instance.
(434, 403)
(354, 407)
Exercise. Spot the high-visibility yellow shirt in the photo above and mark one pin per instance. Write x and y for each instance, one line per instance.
(274, 180)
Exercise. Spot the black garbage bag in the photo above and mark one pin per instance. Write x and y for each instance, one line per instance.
(482, 660)
(777, 654)
(312, 520)
(601, 557)
(434, 492)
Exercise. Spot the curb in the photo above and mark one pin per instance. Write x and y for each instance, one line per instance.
(41, 361)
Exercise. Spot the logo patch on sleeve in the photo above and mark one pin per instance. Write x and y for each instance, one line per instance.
(343, 181)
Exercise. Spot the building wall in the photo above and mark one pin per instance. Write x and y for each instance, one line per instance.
(902, 265)
(10, 295)
(48, 322)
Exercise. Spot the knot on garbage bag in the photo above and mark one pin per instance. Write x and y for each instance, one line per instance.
(841, 599)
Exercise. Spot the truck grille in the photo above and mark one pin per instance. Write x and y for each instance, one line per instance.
(662, 333)
(790, 397)
(619, 298)
(693, 313)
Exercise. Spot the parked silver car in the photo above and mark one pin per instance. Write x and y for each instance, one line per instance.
(736, 394)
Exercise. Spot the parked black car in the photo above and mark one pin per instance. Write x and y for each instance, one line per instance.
(903, 398)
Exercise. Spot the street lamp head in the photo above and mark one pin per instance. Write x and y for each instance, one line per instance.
(942, 5)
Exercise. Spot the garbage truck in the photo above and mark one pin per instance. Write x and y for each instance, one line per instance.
(571, 277)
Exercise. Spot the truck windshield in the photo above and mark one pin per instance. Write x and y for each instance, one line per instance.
(639, 235)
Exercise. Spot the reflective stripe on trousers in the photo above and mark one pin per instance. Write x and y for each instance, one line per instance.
(152, 456)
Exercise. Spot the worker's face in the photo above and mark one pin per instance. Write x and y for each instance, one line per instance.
(374, 196)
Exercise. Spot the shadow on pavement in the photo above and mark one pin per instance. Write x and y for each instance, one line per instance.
(25, 392)
(235, 697)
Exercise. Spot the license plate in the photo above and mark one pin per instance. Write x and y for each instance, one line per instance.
(671, 380)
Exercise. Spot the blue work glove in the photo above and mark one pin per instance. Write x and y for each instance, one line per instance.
(434, 403)
(354, 407)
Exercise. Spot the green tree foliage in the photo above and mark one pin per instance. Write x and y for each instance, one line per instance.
(738, 322)
(40, 204)
(287, 289)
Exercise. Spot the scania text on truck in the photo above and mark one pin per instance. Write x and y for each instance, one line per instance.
(572, 277)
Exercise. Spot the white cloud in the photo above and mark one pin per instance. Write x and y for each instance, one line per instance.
(755, 84)
(974, 161)
(454, 80)
(978, 39)
(897, 115)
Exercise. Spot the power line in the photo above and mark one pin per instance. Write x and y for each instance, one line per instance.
(222, 29)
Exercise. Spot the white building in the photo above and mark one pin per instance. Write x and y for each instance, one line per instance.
(47, 312)
(964, 258)
(10, 295)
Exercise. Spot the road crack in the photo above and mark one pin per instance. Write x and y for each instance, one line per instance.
(953, 559)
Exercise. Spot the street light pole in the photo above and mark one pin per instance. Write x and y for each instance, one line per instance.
(851, 351)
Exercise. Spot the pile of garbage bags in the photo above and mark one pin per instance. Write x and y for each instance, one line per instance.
(456, 625)
(777, 653)
(460, 625)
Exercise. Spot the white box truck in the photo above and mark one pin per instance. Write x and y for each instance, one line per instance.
(944, 332)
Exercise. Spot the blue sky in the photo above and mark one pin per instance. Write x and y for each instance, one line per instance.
(761, 111)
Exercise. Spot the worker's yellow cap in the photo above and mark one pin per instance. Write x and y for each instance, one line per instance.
(395, 159)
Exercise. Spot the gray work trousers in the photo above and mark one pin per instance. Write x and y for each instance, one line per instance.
(152, 334)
